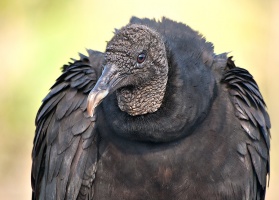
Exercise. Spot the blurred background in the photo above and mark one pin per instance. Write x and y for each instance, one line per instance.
(38, 36)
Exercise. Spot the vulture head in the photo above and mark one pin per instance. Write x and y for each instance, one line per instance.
(136, 68)
(142, 69)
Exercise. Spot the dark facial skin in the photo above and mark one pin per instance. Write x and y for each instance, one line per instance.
(136, 67)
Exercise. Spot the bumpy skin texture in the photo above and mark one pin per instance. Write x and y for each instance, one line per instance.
(148, 78)
(183, 124)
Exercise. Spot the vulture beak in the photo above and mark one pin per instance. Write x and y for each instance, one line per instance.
(108, 82)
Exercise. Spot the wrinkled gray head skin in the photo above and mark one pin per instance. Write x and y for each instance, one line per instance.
(136, 68)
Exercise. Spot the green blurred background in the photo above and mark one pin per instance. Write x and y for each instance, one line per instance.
(37, 37)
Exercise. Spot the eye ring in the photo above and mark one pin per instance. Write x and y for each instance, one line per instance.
(141, 58)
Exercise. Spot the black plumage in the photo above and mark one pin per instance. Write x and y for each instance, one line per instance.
(157, 116)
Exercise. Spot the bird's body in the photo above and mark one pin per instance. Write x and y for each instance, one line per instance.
(204, 164)
(176, 122)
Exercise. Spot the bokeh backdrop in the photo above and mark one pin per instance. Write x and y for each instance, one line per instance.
(38, 36)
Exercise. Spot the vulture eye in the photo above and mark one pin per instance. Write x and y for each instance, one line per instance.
(141, 57)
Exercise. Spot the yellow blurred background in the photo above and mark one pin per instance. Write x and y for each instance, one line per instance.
(38, 36)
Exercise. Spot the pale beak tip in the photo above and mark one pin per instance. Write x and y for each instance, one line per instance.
(90, 113)
(94, 99)
(89, 109)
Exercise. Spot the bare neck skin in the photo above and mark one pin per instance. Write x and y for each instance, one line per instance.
(145, 98)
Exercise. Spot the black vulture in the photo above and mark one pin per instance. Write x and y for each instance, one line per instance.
(158, 115)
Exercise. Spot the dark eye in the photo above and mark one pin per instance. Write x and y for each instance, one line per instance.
(141, 57)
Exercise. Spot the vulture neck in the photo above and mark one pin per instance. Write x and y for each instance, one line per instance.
(145, 98)
(180, 107)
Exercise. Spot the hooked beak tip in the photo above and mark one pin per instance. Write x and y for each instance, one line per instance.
(95, 97)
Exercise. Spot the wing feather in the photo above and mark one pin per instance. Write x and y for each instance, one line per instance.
(253, 117)
(65, 148)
